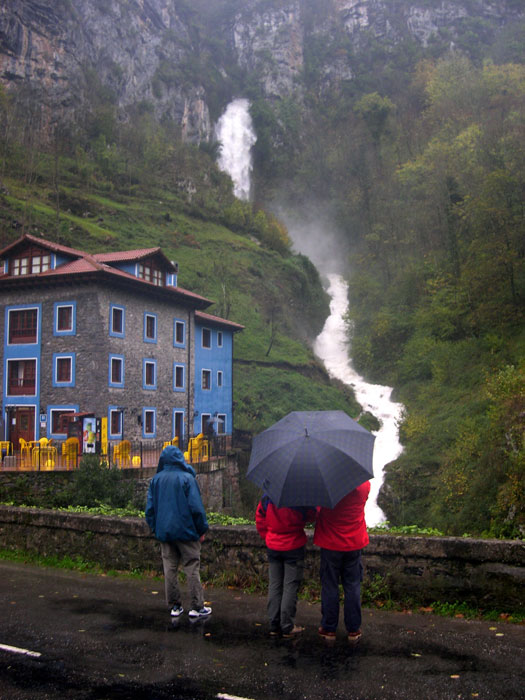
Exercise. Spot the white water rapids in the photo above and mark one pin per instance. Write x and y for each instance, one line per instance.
(235, 132)
(332, 347)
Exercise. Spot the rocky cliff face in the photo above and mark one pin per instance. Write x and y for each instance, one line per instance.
(144, 50)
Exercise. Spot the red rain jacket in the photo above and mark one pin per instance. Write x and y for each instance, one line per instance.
(282, 528)
(343, 528)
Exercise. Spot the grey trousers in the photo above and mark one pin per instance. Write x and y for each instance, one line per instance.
(286, 574)
(187, 554)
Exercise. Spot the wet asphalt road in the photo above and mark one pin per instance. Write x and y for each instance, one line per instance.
(100, 638)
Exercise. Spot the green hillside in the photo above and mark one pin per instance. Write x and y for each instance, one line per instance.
(254, 279)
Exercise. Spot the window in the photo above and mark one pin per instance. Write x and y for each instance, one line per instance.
(206, 379)
(150, 328)
(115, 422)
(150, 273)
(64, 319)
(58, 419)
(116, 371)
(148, 422)
(219, 378)
(21, 377)
(63, 370)
(20, 266)
(32, 261)
(179, 333)
(221, 423)
(206, 338)
(40, 263)
(117, 321)
(150, 374)
(205, 422)
(178, 377)
(23, 326)
(178, 424)
(219, 339)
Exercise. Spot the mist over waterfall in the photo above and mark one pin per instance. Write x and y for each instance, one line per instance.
(235, 132)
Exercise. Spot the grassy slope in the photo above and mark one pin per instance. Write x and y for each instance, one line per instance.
(254, 283)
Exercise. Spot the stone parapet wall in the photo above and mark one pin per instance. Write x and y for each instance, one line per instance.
(482, 572)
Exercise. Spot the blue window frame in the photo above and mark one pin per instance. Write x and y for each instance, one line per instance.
(64, 369)
(206, 380)
(179, 333)
(117, 321)
(149, 422)
(179, 377)
(206, 338)
(115, 422)
(149, 374)
(150, 327)
(53, 419)
(116, 371)
(65, 318)
(178, 423)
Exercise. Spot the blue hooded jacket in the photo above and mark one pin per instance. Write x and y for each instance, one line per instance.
(174, 508)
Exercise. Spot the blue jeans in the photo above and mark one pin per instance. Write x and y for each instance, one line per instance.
(344, 567)
(286, 574)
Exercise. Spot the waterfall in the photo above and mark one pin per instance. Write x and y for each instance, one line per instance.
(235, 132)
(332, 347)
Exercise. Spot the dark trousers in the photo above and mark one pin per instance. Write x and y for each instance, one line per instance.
(345, 568)
(286, 574)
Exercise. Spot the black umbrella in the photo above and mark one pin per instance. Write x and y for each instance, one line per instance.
(311, 458)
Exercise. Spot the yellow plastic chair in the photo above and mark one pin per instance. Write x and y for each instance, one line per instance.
(25, 454)
(70, 452)
(6, 446)
(122, 453)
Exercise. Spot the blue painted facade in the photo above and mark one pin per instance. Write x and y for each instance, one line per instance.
(138, 351)
(213, 375)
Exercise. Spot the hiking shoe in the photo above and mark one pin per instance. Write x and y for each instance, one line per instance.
(296, 629)
(275, 632)
(325, 634)
(203, 612)
(354, 637)
(176, 610)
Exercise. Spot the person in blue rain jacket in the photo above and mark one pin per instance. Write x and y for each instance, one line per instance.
(176, 516)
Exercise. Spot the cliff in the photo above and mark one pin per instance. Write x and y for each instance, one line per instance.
(187, 61)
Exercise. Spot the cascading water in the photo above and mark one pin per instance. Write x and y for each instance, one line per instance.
(332, 347)
(236, 135)
(235, 132)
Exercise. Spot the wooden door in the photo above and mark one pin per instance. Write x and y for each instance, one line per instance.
(23, 426)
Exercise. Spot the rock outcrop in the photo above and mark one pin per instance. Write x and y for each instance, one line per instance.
(153, 51)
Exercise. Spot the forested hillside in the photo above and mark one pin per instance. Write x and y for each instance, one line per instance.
(398, 127)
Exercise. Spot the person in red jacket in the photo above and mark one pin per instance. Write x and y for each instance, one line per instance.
(282, 529)
(341, 533)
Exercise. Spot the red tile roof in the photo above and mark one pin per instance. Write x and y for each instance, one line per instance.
(208, 318)
(86, 263)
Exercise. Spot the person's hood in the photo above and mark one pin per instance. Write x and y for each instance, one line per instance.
(171, 456)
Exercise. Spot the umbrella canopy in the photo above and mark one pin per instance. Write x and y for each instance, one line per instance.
(311, 458)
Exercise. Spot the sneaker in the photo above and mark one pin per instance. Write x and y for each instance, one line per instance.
(176, 610)
(203, 612)
(354, 637)
(325, 634)
(296, 629)
(275, 632)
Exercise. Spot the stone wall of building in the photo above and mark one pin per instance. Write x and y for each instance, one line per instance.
(480, 572)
